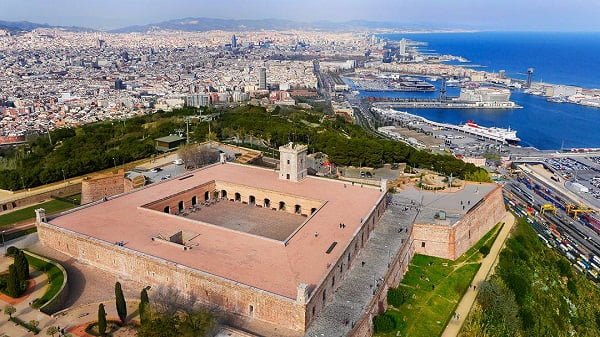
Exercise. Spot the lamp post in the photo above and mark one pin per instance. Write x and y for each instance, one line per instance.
(115, 162)
(64, 177)
(3, 245)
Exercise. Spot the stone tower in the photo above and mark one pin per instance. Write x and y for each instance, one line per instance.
(292, 162)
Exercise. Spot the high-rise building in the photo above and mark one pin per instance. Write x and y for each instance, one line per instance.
(233, 41)
(197, 100)
(403, 47)
(119, 84)
(262, 79)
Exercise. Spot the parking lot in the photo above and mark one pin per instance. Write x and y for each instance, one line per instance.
(159, 173)
(583, 170)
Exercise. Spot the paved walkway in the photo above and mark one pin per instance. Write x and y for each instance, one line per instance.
(486, 269)
(24, 311)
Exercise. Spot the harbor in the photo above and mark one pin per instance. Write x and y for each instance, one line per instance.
(390, 84)
(469, 98)
(493, 134)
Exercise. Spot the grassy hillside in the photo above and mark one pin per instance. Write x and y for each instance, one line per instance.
(535, 292)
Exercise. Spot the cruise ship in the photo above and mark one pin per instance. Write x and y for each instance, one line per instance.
(496, 134)
(504, 136)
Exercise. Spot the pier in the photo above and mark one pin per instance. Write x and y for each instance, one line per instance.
(402, 115)
(416, 103)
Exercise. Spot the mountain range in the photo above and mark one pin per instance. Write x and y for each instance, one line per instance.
(20, 26)
(205, 24)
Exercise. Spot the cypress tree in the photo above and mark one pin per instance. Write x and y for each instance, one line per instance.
(143, 308)
(120, 301)
(101, 320)
(13, 285)
(22, 265)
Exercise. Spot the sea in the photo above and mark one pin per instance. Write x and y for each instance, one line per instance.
(558, 58)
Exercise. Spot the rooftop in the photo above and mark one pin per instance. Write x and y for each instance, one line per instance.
(170, 139)
(455, 203)
(228, 252)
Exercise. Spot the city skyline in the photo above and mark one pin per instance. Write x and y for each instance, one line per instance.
(537, 15)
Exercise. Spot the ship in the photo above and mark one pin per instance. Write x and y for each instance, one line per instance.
(492, 133)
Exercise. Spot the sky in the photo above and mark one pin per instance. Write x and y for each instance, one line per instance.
(534, 15)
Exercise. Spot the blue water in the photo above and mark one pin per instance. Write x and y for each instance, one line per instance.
(561, 58)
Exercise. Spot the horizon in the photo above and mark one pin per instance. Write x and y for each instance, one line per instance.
(509, 15)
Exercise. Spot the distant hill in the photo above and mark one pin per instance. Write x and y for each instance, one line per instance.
(26, 26)
(21, 25)
(206, 24)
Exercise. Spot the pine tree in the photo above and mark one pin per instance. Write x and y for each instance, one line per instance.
(121, 304)
(101, 320)
(143, 308)
(13, 285)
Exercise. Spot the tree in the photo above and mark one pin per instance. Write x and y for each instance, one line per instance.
(34, 323)
(160, 325)
(101, 320)
(120, 302)
(51, 331)
(13, 284)
(9, 310)
(22, 265)
(144, 306)
(196, 324)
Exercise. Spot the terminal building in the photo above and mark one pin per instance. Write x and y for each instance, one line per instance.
(262, 245)
(486, 97)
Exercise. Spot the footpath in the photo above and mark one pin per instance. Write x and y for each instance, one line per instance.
(486, 269)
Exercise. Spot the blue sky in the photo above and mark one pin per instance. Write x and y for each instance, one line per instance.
(550, 15)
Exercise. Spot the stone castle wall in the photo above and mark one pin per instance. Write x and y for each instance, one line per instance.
(61, 190)
(208, 191)
(241, 300)
(327, 287)
(480, 220)
(450, 242)
(228, 295)
(378, 304)
(94, 189)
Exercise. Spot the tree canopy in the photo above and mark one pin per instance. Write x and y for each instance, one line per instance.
(77, 151)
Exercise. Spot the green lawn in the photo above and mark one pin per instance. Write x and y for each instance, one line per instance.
(51, 207)
(433, 288)
(55, 278)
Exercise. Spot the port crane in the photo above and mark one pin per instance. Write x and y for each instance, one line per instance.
(548, 207)
(575, 210)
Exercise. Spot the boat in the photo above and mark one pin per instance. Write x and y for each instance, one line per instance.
(452, 82)
(492, 133)
(557, 99)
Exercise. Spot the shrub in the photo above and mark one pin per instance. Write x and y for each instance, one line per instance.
(396, 297)
(11, 251)
(564, 267)
(484, 250)
(384, 323)
(31, 326)
(111, 326)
